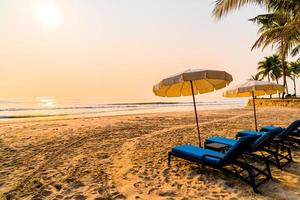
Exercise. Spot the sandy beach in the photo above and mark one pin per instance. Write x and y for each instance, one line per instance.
(125, 157)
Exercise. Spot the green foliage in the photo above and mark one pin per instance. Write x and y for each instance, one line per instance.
(270, 67)
(294, 68)
(255, 77)
(279, 28)
(282, 20)
(273, 31)
(294, 72)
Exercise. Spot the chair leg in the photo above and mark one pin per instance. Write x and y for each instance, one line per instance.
(252, 180)
(269, 169)
(285, 155)
(169, 158)
(277, 157)
(290, 154)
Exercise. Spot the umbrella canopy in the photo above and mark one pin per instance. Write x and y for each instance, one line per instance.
(203, 81)
(191, 82)
(254, 88)
(259, 88)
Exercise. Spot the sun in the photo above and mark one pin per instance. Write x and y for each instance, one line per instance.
(48, 15)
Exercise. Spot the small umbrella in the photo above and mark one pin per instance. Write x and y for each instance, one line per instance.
(191, 82)
(254, 88)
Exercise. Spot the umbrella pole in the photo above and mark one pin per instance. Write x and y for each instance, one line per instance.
(199, 138)
(254, 109)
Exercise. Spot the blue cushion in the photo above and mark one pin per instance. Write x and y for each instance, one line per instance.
(267, 128)
(197, 153)
(257, 144)
(265, 138)
(221, 140)
(248, 132)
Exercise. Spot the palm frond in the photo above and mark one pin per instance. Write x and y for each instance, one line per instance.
(223, 7)
(296, 50)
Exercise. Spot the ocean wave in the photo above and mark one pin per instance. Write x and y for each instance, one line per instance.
(113, 108)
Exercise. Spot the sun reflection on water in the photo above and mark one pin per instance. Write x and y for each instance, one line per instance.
(46, 102)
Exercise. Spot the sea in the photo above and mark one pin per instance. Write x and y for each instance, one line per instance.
(48, 107)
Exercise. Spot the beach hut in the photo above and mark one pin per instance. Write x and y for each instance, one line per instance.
(190, 83)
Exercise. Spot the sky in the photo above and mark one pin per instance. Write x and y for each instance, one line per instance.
(118, 49)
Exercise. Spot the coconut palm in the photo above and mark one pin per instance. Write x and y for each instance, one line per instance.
(294, 69)
(223, 7)
(268, 66)
(276, 72)
(279, 28)
(272, 32)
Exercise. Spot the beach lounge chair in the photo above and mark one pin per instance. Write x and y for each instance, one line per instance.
(288, 136)
(293, 130)
(271, 127)
(281, 145)
(261, 148)
(294, 136)
(228, 162)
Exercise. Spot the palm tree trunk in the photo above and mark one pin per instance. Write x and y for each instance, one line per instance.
(277, 83)
(284, 78)
(295, 86)
(269, 81)
(283, 55)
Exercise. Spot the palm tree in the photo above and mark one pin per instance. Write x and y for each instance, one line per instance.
(276, 72)
(270, 67)
(294, 69)
(280, 28)
(223, 7)
(272, 32)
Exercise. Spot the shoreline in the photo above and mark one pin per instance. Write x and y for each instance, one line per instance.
(125, 157)
(70, 117)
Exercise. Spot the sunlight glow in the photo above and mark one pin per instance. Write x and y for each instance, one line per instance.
(48, 15)
(46, 102)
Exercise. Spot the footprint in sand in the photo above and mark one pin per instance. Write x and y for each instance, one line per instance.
(119, 197)
(79, 197)
(46, 193)
(152, 190)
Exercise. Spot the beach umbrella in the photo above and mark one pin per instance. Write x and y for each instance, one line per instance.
(253, 88)
(190, 83)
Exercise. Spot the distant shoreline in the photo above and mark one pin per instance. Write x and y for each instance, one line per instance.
(94, 110)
